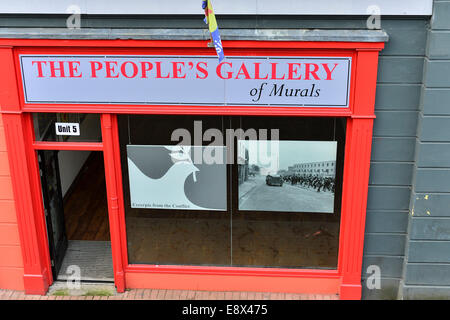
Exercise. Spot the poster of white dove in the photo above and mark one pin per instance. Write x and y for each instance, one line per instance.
(184, 185)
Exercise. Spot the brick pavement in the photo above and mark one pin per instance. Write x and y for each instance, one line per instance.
(157, 294)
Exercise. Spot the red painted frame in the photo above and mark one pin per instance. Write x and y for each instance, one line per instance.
(345, 280)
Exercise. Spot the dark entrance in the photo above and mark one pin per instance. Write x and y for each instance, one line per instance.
(75, 202)
(77, 214)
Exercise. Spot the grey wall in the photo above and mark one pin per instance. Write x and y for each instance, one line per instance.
(397, 109)
(427, 263)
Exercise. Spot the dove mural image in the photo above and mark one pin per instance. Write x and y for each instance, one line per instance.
(164, 177)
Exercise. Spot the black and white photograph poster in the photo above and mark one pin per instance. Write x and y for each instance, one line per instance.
(287, 176)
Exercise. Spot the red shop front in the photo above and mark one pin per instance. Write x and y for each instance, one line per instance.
(135, 94)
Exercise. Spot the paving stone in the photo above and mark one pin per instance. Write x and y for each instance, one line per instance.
(190, 295)
(154, 294)
(183, 295)
(162, 294)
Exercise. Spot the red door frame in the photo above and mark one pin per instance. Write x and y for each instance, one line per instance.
(345, 280)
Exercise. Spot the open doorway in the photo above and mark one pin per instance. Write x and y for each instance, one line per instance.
(75, 202)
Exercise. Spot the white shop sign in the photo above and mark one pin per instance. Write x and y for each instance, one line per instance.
(235, 7)
(167, 80)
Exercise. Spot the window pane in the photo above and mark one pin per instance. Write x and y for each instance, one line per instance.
(70, 127)
(197, 230)
(287, 210)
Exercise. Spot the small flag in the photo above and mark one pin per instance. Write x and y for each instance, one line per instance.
(210, 20)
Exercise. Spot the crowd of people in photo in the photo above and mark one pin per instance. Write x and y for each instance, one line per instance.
(315, 182)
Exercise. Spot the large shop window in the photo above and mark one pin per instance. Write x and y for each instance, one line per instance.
(232, 190)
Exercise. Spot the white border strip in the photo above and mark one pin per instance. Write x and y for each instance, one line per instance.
(236, 7)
